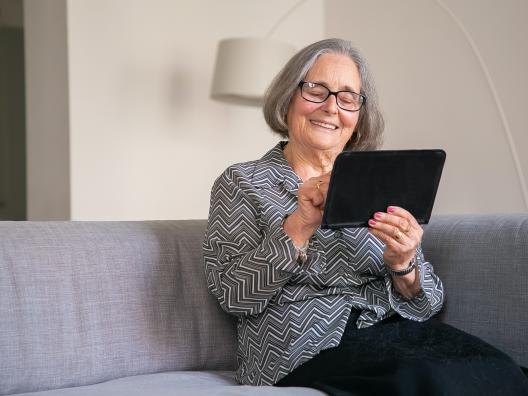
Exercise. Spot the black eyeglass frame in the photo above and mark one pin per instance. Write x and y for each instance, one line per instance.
(363, 97)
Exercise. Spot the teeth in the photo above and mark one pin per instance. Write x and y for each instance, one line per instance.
(324, 125)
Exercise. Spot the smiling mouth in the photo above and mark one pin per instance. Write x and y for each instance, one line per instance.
(330, 127)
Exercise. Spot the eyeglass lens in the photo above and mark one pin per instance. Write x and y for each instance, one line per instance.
(318, 93)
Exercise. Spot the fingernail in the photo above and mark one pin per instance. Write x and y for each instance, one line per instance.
(371, 222)
(390, 209)
(377, 215)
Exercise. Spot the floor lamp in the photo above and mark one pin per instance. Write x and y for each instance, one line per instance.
(245, 66)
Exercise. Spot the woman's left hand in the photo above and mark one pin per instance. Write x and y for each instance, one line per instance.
(400, 232)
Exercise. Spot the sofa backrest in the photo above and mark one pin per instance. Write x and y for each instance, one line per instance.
(483, 263)
(84, 302)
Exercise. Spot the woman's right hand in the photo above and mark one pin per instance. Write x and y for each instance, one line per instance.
(302, 223)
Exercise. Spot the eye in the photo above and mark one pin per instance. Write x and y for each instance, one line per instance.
(348, 98)
(316, 90)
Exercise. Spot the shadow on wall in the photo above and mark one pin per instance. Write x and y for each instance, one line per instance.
(12, 125)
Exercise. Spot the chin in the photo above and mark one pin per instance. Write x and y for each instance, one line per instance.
(328, 145)
(328, 142)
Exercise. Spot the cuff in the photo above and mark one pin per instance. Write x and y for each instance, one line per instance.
(419, 307)
(278, 241)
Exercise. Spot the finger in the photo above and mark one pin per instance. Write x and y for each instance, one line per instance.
(323, 188)
(326, 176)
(416, 229)
(390, 231)
(396, 210)
(395, 251)
(312, 198)
(388, 240)
(390, 226)
(309, 193)
(402, 223)
(319, 185)
(319, 181)
(318, 199)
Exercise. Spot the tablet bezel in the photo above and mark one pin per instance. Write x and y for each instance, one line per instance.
(427, 178)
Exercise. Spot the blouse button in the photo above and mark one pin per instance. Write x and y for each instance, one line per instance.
(227, 257)
(338, 234)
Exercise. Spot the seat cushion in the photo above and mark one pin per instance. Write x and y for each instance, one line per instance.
(176, 383)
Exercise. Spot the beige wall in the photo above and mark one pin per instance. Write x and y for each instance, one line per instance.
(435, 92)
(146, 142)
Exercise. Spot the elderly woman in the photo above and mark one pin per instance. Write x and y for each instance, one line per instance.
(345, 311)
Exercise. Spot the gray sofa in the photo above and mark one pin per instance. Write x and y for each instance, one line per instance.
(121, 308)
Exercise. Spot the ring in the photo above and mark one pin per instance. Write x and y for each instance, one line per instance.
(398, 235)
(318, 184)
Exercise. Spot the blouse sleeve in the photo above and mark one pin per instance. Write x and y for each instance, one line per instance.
(427, 302)
(248, 260)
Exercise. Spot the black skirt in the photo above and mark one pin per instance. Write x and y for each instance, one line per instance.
(404, 357)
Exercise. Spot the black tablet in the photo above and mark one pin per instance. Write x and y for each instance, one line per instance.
(365, 182)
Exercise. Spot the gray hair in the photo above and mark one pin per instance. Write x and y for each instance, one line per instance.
(369, 129)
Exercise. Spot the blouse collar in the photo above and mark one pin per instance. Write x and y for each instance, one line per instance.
(273, 170)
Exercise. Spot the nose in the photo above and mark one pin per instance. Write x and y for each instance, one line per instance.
(330, 104)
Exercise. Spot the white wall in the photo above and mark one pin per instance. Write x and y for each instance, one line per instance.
(435, 93)
(147, 142)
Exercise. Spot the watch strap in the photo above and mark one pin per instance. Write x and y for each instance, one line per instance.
(403, 272)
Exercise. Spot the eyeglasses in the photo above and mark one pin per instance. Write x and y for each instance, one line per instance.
(318, 93)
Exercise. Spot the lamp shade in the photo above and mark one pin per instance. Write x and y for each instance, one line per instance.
(244, 68)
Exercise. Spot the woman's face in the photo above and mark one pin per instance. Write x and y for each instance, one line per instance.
(324, 127)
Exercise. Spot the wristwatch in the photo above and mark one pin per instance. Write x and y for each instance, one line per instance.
(409, 269)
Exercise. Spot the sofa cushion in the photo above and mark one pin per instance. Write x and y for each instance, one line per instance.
(483, 263)
(183, 383)
(85, 302)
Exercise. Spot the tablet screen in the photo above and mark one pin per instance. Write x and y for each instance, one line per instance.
(365, 182)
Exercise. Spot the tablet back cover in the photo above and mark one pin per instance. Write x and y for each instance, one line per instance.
(365, 182)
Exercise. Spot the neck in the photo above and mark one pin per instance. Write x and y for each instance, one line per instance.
(309, 163)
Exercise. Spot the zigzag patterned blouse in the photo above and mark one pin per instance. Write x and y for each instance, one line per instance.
(287, 312)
